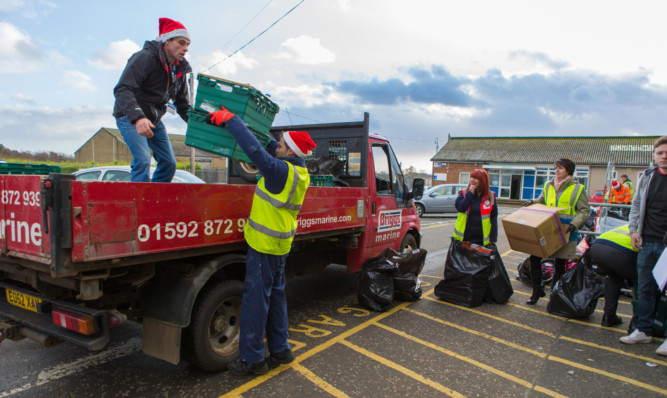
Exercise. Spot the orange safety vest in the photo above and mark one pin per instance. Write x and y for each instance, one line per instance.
(620, 195)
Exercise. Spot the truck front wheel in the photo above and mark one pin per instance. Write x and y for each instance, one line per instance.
(212, 339)
(409, 244)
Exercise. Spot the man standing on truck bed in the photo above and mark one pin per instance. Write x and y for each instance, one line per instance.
(151, 78)
(269, 232)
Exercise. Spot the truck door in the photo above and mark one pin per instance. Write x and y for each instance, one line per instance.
(389, 200)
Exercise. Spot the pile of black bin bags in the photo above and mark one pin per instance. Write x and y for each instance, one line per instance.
(473, 274)
(391, 275)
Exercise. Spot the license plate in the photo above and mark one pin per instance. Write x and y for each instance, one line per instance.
(23, 300)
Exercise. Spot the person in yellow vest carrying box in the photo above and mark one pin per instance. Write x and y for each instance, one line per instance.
(615, 257)
(620, 194)
(269, 232)
(563, 191)
(477, 221)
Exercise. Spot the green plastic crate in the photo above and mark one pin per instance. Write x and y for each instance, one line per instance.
(246, 102)
(215, 139)
(317, 180)
(27, 168)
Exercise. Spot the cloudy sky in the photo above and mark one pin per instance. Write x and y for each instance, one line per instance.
(423, 69)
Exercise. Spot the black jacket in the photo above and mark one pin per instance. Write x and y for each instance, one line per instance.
(146, 85)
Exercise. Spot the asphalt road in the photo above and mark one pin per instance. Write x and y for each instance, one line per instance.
(427, 348)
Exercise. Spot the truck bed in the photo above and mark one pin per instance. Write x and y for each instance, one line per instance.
(115, 220)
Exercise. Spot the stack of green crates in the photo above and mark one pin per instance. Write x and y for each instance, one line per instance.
(246, 102)
(27, 168)
(317, 180)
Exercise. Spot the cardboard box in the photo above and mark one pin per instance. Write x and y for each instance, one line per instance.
(536, 230)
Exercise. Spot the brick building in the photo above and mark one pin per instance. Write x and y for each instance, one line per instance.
(518, 167)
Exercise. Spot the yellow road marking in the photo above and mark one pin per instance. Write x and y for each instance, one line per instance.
(319, 381)
(460, 357)
(315, 350)
(477, 333)
(549, 392)
(402, 369)
(614, 350)
(427, 297)
(610, 375)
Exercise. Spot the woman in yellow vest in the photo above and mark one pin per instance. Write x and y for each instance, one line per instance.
(563, 191)
(477, 221)
(615, 257)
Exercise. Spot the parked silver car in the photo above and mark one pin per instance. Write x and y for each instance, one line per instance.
(439, 199)
(122, 173)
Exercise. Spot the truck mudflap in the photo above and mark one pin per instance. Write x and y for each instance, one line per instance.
(36, 314)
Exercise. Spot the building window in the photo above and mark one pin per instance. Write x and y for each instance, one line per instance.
(464, 177)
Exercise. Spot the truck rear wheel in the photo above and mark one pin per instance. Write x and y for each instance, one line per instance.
(212, 339)
(409, 244)
(247, 171)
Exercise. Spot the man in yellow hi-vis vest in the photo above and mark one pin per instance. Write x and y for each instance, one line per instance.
(269, 232)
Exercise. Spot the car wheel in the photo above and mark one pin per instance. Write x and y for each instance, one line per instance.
(420, 209)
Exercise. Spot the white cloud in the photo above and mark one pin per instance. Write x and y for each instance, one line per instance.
(217, 63)
(11, 5)
(76, 80)
(306, 50)
(18, 54)
(22, 98)
(115, 56)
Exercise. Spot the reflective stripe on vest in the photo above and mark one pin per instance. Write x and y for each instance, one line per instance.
(462, 221)
(272, 222)
(619, 236)
(568, 198)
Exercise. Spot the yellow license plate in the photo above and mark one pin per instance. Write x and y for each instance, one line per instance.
(22, 300)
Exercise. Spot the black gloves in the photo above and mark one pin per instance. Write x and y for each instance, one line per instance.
(571, 228)
(527, 203)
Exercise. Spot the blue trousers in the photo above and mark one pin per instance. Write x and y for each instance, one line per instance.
(264, 307)
(141, 147)
(648, 289)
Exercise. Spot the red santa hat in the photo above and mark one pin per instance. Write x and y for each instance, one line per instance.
(300, 142)
(170, 29)
(615, 185)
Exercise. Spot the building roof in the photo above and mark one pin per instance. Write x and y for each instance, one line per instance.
(177, 143)
(626, 151)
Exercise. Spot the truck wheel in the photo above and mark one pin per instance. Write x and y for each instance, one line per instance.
(247, 171)
(212, 338)
(409, 244)
(420, 209)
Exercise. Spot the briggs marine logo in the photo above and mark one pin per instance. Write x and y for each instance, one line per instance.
(389, 220)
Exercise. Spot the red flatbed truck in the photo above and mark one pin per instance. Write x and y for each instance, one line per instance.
(78, 258)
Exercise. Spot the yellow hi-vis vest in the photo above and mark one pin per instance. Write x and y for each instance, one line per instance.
(619, 236)
(568, 198)
(485, 210)
(272, 223)
(629, 185)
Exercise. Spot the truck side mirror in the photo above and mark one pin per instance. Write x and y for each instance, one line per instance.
(418, 188)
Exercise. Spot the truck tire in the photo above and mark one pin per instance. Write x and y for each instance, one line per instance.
(409, 244)
(247, 171)
(212, 339)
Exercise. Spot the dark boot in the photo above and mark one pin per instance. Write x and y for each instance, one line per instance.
(610, 320)
(536, 280)
(559, 270)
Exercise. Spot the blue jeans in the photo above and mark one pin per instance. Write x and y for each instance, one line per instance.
(141, 147)
(264, 307)
(647, 288)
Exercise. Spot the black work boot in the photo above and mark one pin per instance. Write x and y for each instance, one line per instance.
(281, 358)
(610, 320)
(237, 367)
(536, 280)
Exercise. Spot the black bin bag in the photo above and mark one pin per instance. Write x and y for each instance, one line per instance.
(391, 275)
(576, 293)
(467, 274)
(500, 287)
